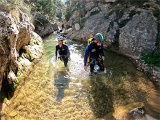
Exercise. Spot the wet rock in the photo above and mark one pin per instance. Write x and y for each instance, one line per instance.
(17, 42)
(129, 112)
(137, 113)
(152, 72)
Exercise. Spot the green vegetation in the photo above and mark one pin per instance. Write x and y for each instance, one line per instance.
(69, 13)
(49, 8)
(8, 5)
(152, 58)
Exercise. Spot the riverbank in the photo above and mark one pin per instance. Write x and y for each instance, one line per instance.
(151, 71)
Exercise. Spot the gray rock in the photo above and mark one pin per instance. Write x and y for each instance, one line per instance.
(16, 36)
(138, 35)
(42, 26)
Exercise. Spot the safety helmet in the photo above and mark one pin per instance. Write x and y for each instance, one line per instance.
(99, 37)
(60, 38)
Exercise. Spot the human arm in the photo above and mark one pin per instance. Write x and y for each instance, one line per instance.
(86, 57)
(102, 53)
(56, 53)
(68, 52)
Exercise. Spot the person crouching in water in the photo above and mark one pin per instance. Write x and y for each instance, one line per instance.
(94, 51)
(62, 51)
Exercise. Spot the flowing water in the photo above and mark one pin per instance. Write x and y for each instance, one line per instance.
(53, 92)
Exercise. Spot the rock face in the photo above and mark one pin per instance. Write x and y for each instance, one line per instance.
(138, 35)
(135, 30)
(42, 26)
(19, 46)
(130, 27)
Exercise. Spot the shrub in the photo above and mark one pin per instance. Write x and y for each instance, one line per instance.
(69, 13)
(12, 4)
(152, 58)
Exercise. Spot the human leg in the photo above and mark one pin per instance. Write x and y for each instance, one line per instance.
(101, 65)
(65, 62)
(91, 68)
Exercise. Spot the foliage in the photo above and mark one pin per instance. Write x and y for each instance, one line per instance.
(152, 58)
(69, 12)
(50, 8)
(12, 4)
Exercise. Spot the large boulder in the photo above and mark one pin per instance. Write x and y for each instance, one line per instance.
(138, 35)
(17, 41)
(42, 26)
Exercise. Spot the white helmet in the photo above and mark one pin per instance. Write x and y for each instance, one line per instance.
(60, 38)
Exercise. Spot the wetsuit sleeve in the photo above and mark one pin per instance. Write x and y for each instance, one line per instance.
(56, 51)
(86, 55)
(102, 51)
(68, 52)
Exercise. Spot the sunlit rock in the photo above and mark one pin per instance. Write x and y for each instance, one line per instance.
(16, 35)
(42, 25)
(138, 35)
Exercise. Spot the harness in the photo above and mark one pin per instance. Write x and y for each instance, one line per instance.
(98, 64)
(62, 53)
(62, 57)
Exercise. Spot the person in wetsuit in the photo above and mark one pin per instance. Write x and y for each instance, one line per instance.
(94, 51)
(62, 51)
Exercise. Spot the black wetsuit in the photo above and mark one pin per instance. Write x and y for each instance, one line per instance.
(63, 52)
(95, 53)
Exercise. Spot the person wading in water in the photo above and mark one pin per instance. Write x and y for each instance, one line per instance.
(94, 54)
(62, 51)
